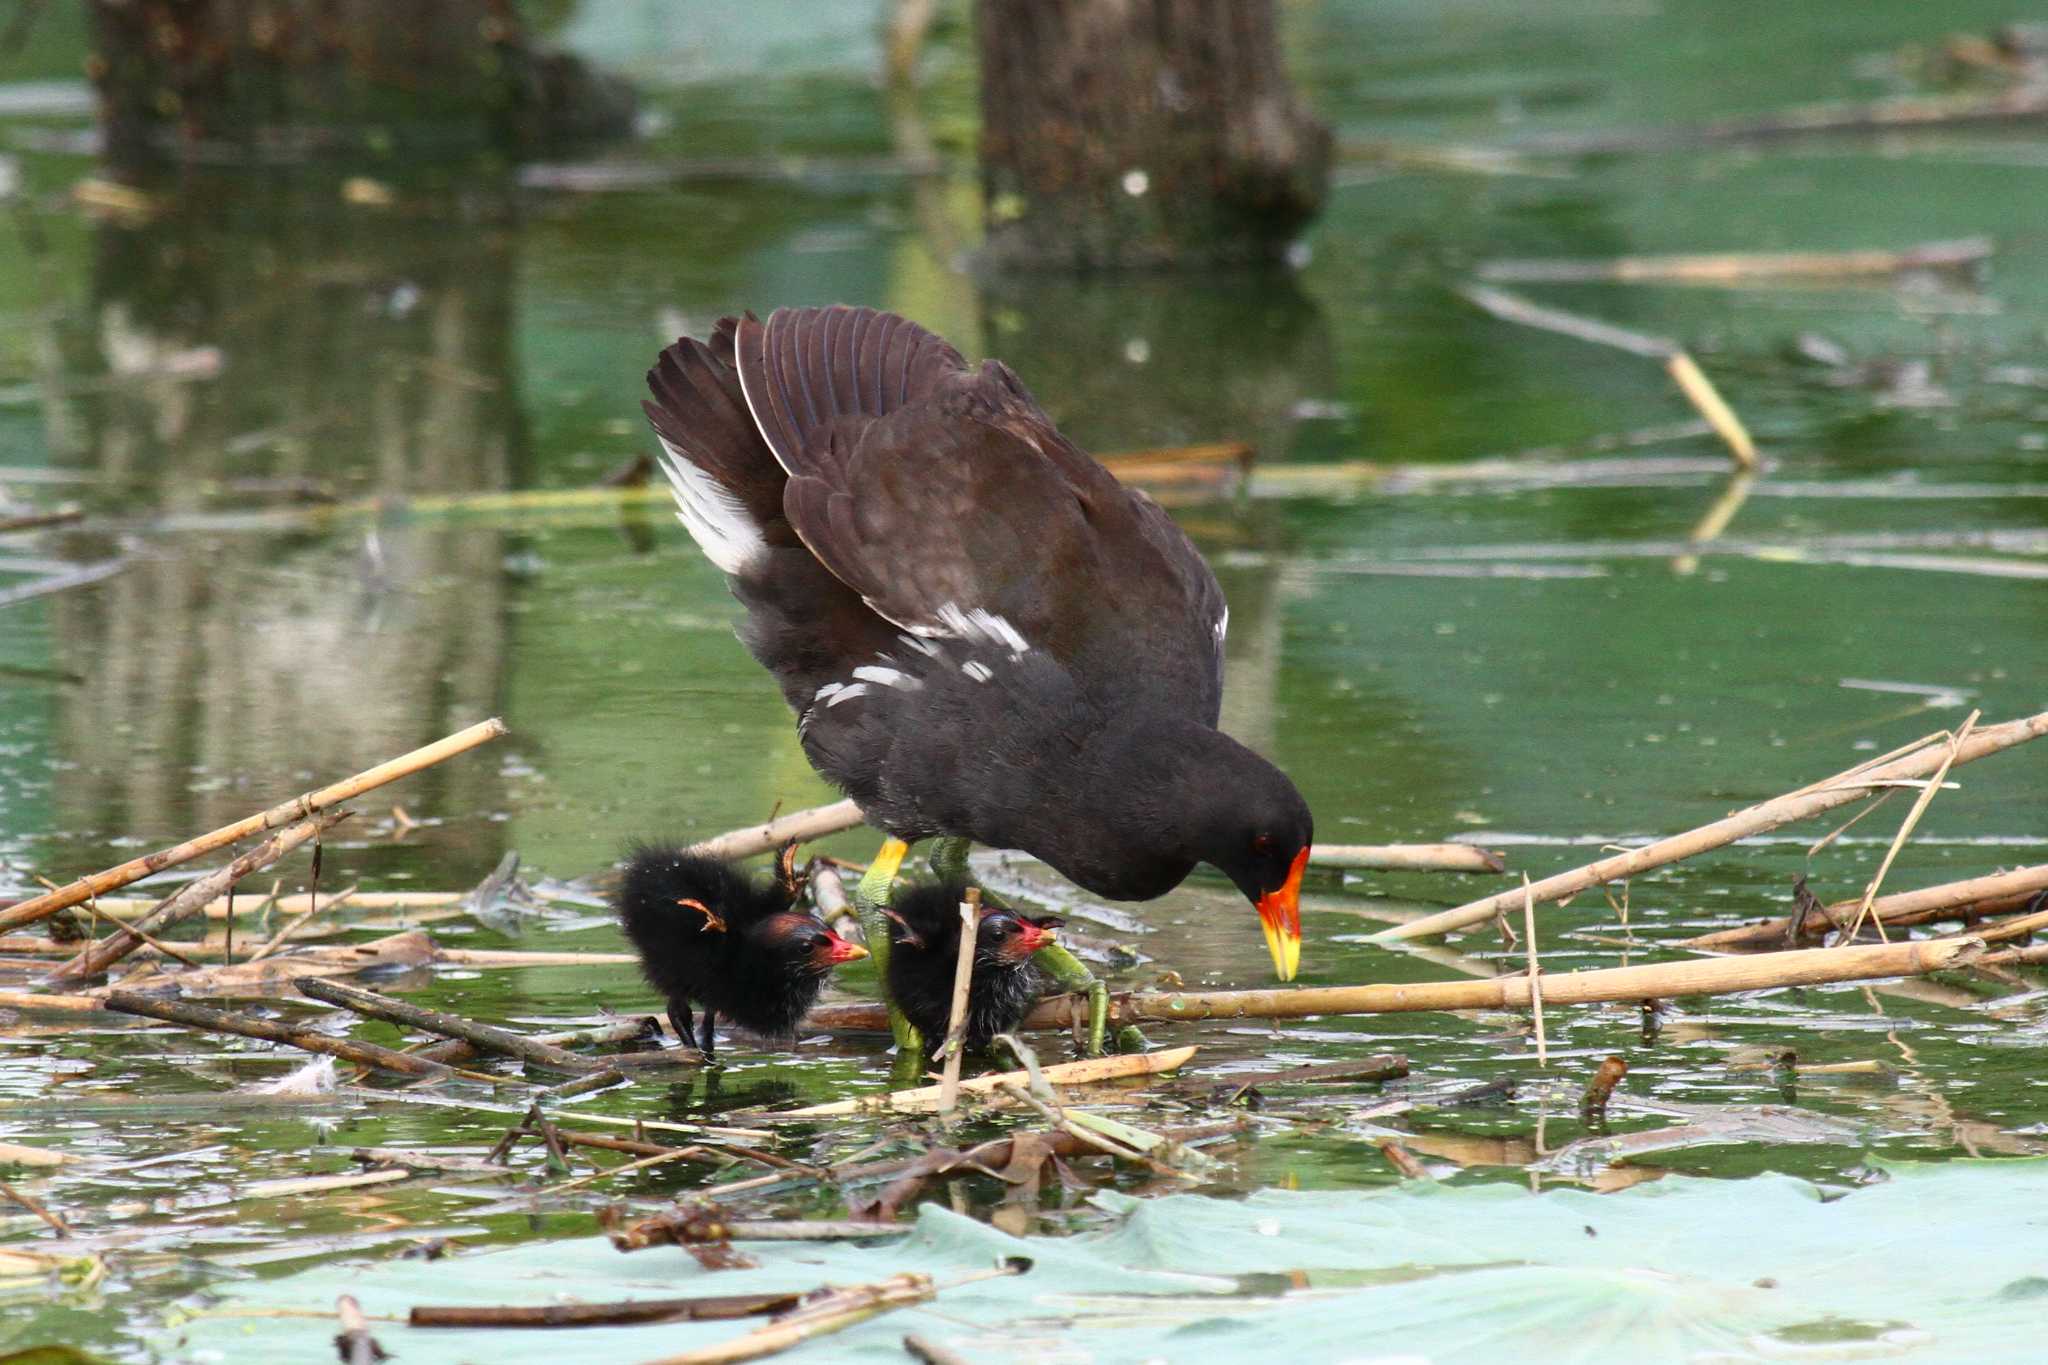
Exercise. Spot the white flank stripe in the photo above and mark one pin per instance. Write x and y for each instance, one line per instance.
(887, 677)
(976, 670)
(715, 519)
(840, 694)
(978, 623)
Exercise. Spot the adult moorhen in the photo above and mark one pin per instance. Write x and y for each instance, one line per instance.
(706, 931)
(983, 634)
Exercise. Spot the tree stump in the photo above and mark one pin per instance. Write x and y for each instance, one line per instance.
(1142, 133)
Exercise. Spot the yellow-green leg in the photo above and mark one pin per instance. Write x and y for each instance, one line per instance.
(870, 899)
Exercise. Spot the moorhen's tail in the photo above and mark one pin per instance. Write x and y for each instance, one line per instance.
(727, 484)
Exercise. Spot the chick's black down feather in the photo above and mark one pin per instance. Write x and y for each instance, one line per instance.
(924, 950)
(762, 969)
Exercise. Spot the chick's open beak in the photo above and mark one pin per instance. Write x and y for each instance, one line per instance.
(1280, 917)
(838, 950)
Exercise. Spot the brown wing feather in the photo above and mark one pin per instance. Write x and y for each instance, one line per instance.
(806, 368)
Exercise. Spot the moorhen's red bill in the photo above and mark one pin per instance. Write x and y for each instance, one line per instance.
(983, 634)
(708, 932)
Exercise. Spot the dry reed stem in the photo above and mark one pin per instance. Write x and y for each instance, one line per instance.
(1802, 804)
(211, 1020)
(1906, 828)
(1407, 857)
(1697, 388)
(291, 926)
(830, 1310)
(797, 827)
(1648, 981)
(1725, 267)
(374, 1005)
(96, 957)
(1535, 979)
(1994, 894)
(923, 1099)
(956, 1017)
(299, 808)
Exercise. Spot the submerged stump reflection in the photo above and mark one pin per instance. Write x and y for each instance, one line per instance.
(256, 344)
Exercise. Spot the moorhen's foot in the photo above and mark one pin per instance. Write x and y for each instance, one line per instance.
(705, 1035)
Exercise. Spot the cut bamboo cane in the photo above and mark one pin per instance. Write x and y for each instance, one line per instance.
(1650, 981)
(1697, 388)
(104, 953)
(796, 827)
(1997, 894)
(373, 1005)
(1920, 762)
(290, 812)
(924, 1099)
(1407, 857)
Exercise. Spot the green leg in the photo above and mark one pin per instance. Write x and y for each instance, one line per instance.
(870, 897)
(949, 859)
(1073, 977)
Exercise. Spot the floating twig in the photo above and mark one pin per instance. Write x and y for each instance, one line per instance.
(2022, 104)
(797, 827)
(290, 812)
(1402, 1160)
(1919, 761)
(629, 1313)
(1407, 857)
(1736, 267)
(1649, 981)
(211, 1020)
(490, 1038)
(1970, 899)
(924, 1099)
(1906, 827)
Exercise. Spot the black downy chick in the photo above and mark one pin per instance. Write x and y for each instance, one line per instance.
(924, 949)
(707, 931)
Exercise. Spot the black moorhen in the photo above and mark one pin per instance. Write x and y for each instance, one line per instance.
(924, 951)
(708, 932)
(983, 634)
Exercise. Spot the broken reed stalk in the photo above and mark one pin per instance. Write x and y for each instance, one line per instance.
(1593, 1104)
(299, 808)
(191, 899)
(1535, 979)
(1852, 785)
(372, 1005)
(830, 1310)
(956, 1017)
(796, 827)
(1407, 857)
(1650, 981)
(296, 922)
(629, 1313)
(924, 1099)
(1730, 267)
(1906, 826)
(1967, 899)
(210, 1020)
(1697, 388)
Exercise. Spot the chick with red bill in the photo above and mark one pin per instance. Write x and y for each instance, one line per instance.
(709, 932)
(924, 951)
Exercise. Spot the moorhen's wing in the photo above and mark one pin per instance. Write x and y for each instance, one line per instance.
(946, 498)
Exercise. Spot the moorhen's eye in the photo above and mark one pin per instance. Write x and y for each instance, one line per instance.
(1262, 843)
